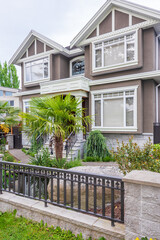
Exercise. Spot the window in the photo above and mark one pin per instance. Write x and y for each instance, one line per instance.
(11, 103)
(36, 70)
(7, 93)
(1, 93)
(26, 106)
(115, 109)
(77, 66)
(114, 52)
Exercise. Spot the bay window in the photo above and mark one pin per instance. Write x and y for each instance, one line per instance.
(115, 52)
(37, 70)
(115, 109)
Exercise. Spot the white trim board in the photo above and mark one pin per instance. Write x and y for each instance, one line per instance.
(147, 75)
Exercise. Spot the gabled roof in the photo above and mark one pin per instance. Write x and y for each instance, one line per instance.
(135, 8)
(28, 40)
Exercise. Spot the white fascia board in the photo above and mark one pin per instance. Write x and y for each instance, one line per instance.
(144, 11)
(28, 40)
(126, 30)
(14, 90)
(25, 93)
(143, 76)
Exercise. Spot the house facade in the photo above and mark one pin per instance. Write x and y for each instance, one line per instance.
(112, 64)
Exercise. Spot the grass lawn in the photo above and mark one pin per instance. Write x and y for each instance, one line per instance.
(18, 228)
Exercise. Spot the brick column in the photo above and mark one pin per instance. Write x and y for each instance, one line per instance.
(142, 205)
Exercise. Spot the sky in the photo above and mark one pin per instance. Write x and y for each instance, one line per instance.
(59, 20)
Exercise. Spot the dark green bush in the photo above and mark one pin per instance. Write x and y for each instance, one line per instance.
(96, 145)
(97, 159)
(108, 159)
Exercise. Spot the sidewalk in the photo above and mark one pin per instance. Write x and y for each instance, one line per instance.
(20, 156)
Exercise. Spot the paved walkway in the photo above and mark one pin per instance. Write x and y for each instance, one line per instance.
(19, 155)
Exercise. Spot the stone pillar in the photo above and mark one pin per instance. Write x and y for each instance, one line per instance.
(10, 140)
(142, 205)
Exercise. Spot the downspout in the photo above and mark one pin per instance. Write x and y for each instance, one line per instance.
(157, 63)
(157, 115)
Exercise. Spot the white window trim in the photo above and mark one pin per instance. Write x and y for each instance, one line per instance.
(115, 66)
(112, 90)
(70, 67)
(40, 80)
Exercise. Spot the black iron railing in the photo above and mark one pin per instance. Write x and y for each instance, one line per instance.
(70, 142)
(97, 195)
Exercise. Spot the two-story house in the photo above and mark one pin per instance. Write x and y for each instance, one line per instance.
(112, 64)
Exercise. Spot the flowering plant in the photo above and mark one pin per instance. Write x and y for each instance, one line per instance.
(145, 238)
(130, 156)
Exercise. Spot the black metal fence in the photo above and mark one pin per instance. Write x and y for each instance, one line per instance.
(97, 195)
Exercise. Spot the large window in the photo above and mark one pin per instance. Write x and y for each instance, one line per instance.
(115, 110)
(114, 52)
(36, 70)
(1, 93)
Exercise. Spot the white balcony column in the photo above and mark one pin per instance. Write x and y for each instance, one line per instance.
(80, 133)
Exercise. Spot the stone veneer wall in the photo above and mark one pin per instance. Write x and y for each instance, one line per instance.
(142, 205)
(10, 140)
(140, 139)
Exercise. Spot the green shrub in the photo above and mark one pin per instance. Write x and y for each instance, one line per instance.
(97, 159)
(131, 157)
(73, 163)
(91, 159)
(59, 163)
(108, 159)
(42, 159)
(96, 145)
(9, 158)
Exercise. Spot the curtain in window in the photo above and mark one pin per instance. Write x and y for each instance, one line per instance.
(129, 112)
(98, 113)
(98, 62)
(114, 54)
(113, 113)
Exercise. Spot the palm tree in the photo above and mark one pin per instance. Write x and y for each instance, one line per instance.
(58, 116)
(8, 115)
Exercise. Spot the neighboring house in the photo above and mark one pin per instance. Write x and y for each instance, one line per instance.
(112, 64)
(7, 95)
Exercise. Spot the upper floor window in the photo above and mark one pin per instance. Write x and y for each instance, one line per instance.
(36, 70)
(1, 93)
(115, 52)
(77, 66)
(7, 93)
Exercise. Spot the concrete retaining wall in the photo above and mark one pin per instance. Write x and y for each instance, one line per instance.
(66, 219)
(142, 205)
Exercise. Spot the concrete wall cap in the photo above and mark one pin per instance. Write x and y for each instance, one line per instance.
(143, 178)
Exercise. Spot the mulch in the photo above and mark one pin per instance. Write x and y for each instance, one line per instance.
(117, 210)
